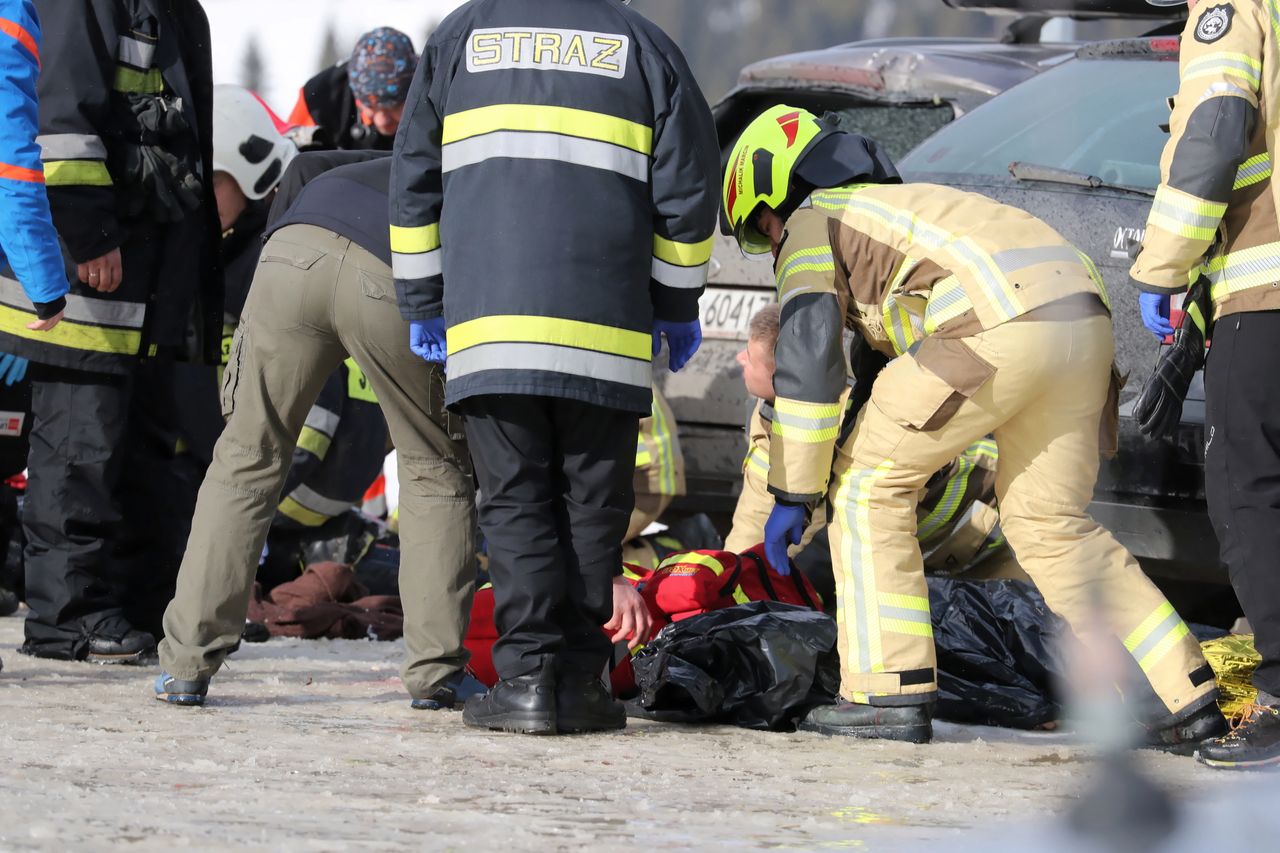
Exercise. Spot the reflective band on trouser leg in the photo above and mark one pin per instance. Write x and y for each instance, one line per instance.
(810, 423)
(415, 251)
(758, 461)
(681, 265)
(1158, 633)
(1185, 215)
(662, 443)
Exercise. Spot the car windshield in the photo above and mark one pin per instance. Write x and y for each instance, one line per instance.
(1099, 117)
(898, 128)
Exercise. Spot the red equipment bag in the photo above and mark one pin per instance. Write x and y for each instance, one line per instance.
(696, 582)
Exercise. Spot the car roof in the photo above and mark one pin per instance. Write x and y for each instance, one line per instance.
(964, 72)
(1080, 9)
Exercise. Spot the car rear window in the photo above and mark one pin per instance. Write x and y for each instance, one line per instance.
(898, 128)
(1102, 117)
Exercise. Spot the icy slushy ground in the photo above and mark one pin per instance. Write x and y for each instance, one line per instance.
(311, 745)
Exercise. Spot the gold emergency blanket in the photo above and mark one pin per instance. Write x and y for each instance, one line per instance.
(1233, 659)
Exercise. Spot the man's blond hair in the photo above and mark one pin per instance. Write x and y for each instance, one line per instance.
(764, 326)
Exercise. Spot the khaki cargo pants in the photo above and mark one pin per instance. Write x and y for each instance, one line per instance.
(1043, 404)
(317, 298)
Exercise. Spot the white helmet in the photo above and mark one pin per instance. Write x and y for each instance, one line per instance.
(247, 143)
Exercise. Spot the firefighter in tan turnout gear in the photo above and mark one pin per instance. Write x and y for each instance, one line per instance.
(997, 326)
(1215, 215)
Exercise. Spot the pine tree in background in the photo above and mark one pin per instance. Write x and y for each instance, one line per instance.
(330, 52)
(253, 72)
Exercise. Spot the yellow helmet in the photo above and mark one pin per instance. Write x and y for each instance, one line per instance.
(760, 167)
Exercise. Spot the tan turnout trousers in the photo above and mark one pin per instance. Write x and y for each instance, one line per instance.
(317, 298)
(1042, 404)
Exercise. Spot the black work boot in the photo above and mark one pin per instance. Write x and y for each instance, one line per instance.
(911, 723)
(583, 704)
(1252, 744)
(525, 704)
(130, 647)
(1182, 737)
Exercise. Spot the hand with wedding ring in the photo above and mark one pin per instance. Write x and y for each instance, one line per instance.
(102, 274)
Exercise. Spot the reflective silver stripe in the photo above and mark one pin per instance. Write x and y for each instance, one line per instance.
(545, 146)
(980, 262)
(1163, 207)
(788, 419)
(1222, 89)
(1172, 621)
(71, 146)
(81, 309)
(905, 615)
(136, 53)
(419, 265)
(1253, 170)
(322, 420)
(317, 502)
(555, 359)
(1013, 260)
(681, 277)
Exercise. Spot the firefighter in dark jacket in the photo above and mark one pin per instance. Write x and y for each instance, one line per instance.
(125, 109)
(552, 203)
(356, 105)
(1215, 215)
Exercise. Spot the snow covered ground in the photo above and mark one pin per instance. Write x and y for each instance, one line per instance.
(312, 746)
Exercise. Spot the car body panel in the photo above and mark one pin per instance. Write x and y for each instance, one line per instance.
(1080, 9)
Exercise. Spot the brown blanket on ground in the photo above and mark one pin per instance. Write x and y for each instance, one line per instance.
(327, 601)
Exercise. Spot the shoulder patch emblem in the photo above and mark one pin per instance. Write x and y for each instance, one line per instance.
(1214, 23)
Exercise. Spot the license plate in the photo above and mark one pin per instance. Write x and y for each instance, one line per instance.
(727, 312)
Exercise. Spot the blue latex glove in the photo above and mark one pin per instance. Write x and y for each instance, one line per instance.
(12, 368)
(1155, 313)
(683, 340)
(427, 339)
(785, 527)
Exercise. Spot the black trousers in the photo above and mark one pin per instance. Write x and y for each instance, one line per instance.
(1242, 471)
(108, 506)
(555, 500)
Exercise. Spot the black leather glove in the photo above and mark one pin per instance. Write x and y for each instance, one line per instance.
(1158, 409)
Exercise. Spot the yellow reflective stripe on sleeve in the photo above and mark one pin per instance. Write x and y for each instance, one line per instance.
(812, 259)
(314, 442)
(1238, 65)
(692, 558)
(682, 254)
(410, 240)
(811, 423)
(76, 173)
(947, 301)
(1155, 636)
(290, 508)
(518, 328)
(583, 124)
(133, 81)
(358, 387)
(1253, 171)
(71, 334)
(1185, 215)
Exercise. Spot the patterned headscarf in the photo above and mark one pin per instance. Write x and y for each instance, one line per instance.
(382, 67)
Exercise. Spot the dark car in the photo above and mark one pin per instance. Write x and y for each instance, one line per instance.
(1079, 146)
(899, 91)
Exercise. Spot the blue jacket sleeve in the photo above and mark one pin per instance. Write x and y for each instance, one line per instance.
(27, 236)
